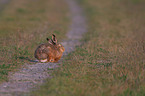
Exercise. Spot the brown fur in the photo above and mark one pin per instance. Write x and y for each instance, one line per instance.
(52, 51)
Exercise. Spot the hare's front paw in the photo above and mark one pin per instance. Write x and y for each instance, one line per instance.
(51, 60)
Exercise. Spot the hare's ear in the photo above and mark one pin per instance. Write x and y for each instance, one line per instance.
(49, 40)
(54, 40)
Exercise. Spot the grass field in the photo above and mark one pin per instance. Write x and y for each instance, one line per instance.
(24, 24)
(111, 61)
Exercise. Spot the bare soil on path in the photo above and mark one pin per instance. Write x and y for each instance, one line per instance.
(3, 3)
(30, 76)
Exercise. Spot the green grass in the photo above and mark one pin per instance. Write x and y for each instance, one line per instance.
(111, 61)
(24, 24)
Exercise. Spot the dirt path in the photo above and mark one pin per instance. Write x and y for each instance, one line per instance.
(30, 76)
(3, 3)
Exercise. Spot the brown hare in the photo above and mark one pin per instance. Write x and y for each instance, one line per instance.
(49, 52)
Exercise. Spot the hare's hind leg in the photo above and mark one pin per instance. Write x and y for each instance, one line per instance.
(43, 61)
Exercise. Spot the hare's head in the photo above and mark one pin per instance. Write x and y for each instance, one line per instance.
(53, 41)
(61, 48)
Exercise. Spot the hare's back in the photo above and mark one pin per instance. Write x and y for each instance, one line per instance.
(44, 48)
(39, 50)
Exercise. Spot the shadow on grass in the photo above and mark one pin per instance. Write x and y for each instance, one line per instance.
(26, 58)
